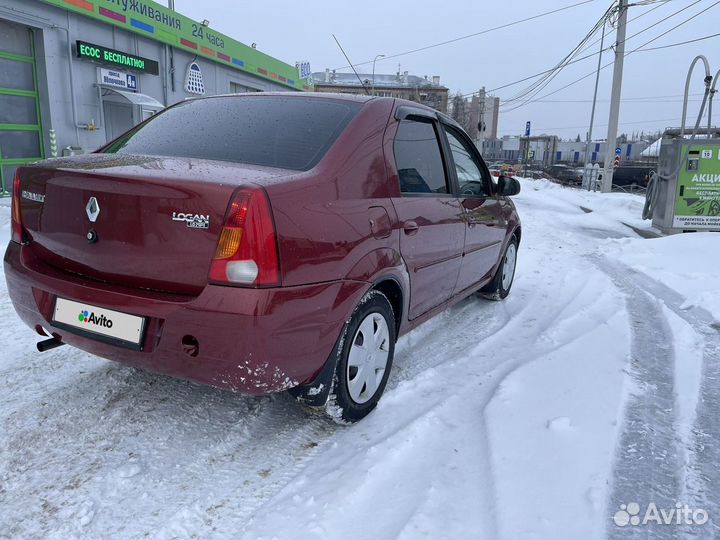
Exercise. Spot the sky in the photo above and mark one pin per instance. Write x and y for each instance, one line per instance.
(653, 81)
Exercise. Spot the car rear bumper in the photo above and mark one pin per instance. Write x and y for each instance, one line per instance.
(254, 341)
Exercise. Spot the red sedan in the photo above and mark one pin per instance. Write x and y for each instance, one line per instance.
(262, 243)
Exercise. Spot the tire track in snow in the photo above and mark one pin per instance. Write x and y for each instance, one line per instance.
(445, 384)
(90, 456)
(702, 480)
(649, 462)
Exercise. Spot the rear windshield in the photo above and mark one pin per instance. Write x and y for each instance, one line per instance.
(290, 133)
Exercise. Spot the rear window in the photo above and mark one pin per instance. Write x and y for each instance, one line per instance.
(290, 133)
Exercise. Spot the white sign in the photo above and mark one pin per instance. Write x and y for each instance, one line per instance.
(194, 80)
(707, 154)
(118, 79)
(305, 71)
(97, 320)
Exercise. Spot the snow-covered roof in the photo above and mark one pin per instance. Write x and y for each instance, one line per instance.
(653, 150)
(381, 80)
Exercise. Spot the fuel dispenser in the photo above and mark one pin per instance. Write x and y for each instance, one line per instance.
(683, 195)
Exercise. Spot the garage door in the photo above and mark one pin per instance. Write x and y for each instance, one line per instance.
(20, 125)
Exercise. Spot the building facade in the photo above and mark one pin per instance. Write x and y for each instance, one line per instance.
(401, 85)
(75, 74)
(474, 110)
(510, 150)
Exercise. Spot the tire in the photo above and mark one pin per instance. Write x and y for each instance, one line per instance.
(500, 286)
(361, 373)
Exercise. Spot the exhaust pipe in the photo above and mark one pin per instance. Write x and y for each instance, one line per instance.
(49, 344)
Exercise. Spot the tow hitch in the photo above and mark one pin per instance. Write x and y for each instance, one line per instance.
(48, 344)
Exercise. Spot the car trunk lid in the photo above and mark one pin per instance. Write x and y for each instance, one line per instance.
(137, 221)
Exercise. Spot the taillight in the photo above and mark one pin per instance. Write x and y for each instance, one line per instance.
(247, 252)
(17, 233)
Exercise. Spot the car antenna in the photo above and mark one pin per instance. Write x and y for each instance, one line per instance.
(349, 62)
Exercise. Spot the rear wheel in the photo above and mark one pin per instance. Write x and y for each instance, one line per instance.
(364, 358)
(500, 285)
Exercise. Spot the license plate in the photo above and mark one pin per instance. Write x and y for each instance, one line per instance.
(100, 321)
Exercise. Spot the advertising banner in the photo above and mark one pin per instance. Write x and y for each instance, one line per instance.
(154, 21)
(697, 204)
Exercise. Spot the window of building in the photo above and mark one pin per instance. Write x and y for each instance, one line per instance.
(237, 88)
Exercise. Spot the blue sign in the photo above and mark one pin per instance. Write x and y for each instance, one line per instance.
(618, 151)
(527, 129)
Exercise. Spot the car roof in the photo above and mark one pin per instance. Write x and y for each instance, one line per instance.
(331, 96)
(357, 98)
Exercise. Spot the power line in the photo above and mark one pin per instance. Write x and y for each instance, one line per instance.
(675, 27)
(584, 48)
(538, 85)
(587, 56)
(605, 19)
(601, 125)
(607, 100)
(486, 31)
(678, 44)
(638, 49)
(653, 99)
(643, 14)
(530, 100)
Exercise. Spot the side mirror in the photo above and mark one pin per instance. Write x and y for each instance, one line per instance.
(508, 186)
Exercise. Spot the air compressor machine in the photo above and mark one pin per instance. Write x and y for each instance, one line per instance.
(688, 197)
(683, 195)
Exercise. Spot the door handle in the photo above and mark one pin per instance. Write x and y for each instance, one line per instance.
(410, 227)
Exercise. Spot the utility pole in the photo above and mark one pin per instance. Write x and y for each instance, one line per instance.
(373, 73)
(592, 113)
(615, 97)
(481, 119)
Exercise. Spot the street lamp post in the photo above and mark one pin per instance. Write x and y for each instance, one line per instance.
(373, 73)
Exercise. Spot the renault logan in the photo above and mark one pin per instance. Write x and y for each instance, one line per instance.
(262, 243)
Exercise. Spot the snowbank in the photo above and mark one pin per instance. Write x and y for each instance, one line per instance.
(687, 263)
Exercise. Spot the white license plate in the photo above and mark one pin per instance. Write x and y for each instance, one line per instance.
(100, 321)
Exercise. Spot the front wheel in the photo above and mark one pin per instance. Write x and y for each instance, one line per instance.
(499, 287)
(364, 358)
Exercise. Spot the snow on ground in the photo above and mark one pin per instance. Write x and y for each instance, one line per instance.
(530, 418)
(688, 263)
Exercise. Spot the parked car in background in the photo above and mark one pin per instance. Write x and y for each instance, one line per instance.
(285, 249)
(629, 175)
(564, 174)
(535, 173)
(579, 173)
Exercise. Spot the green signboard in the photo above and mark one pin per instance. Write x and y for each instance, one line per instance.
(103, 55)
(697, 205)
(157, 22)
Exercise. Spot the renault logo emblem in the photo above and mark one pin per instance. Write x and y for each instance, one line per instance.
(92, 209)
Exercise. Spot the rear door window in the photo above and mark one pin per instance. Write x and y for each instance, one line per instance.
(289, 133)
(418, 159)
